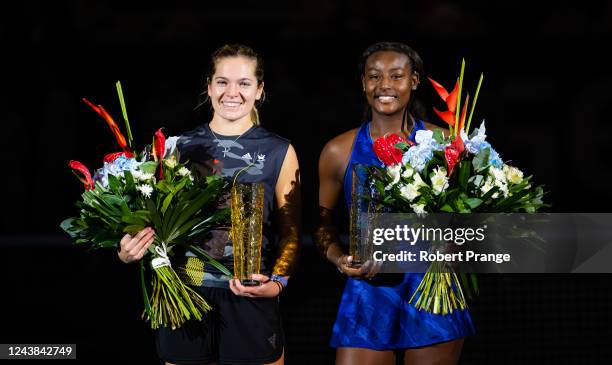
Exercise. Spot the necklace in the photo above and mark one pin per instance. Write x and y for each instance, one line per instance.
(226, 144)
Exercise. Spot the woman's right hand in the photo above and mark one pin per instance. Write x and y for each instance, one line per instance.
(365, 271)
(133, 248)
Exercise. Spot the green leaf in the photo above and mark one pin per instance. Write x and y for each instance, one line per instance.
(197, 204)
(133, 229)
(473, 202)
(210, 221)
(132, 219)
(464, 174)
(469, 121)
(402, 146)
(124, 112)
(145, 215)
(481, 160)
(114, 184)
(459, 204)
(447, 208)
(68, 226)
(156, 219)
(166, 202)
(204, 256)
(148, 167)
(438, 136)
(476, 180)
(143, 286)
(490, 193)
(507, 203)
(130, 185)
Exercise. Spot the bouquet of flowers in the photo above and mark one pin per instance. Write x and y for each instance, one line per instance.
(458, 173)
(152, 188)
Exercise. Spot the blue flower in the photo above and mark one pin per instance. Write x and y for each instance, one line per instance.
(478, 142)
(115, 168)
(418, 155)
(494, 159)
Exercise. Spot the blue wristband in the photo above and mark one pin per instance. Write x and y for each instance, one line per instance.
(280, 279)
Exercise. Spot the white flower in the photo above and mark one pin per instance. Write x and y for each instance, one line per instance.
(136, 174)
(394, 172)
(418, 181)
(408, 171)
(418, 208)
(145, 190)
(183, 171)
(513, 174)
(497, 174)
(439, 180)
(499, 180)
(170, 162)
(170, 145)
(410, 191)
(488, 185)
(503, 188)
(144, 176)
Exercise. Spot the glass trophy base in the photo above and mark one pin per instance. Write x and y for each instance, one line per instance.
(250, 282)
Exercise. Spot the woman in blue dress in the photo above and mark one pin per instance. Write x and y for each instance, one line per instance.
(375, 321)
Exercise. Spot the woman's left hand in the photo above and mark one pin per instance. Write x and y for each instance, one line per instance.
(267, 288)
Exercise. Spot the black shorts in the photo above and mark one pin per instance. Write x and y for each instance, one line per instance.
(238, 330)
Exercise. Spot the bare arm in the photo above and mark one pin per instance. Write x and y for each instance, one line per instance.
(331, 162)
(288, 200)
(332, 165)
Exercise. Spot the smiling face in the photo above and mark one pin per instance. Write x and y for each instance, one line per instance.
(233, 88)
(388, 81)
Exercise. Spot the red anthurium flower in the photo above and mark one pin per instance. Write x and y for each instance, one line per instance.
(111, 123)
(85, 177)
(159, 149)
(384, 148)
(453, 153)
(113, 156)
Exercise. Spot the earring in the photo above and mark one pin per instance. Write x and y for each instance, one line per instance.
(414, 87)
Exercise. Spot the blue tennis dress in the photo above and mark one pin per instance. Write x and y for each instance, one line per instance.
(375, 314)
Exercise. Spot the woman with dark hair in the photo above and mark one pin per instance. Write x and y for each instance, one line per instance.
(244, 326)
(375, 320)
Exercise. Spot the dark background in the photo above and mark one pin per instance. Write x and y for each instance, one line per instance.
(545, 98)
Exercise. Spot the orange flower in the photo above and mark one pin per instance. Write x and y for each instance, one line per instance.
(111, 123)
(451, 104)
